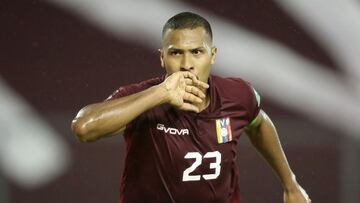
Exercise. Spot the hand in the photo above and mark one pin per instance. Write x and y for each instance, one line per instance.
(185, 90)
(296, 196)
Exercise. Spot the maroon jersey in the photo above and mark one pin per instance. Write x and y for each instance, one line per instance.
(180, 156)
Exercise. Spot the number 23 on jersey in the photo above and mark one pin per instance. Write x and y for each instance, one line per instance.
(198, 160)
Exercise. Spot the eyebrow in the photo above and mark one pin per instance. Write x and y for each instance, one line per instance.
(177, 49)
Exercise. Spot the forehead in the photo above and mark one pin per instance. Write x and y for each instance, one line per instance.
(183, 38)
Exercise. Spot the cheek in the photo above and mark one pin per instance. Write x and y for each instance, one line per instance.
(204, 64)
(171, 65)
(204, 67)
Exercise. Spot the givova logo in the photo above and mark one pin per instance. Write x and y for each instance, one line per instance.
(172, 131)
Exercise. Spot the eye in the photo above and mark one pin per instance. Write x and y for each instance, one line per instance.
(175, 53)
(196, 51)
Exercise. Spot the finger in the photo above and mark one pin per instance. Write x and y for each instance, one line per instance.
(194, 90)
(200, 83)
(188, 75)
(196, 82)
(192, 98)
(191, 76)
(188, 81)
(189, 107)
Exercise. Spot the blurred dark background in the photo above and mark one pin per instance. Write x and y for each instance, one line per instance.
(56, 61)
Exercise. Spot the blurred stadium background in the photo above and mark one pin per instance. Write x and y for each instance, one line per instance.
(59, 55)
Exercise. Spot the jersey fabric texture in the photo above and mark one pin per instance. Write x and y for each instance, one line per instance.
(179, 156)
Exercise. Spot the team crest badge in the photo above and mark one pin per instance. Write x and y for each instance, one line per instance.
(223, 130)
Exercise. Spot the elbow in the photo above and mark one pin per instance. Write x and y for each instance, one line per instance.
(80, 130)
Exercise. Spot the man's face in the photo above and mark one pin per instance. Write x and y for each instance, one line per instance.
(188, 50)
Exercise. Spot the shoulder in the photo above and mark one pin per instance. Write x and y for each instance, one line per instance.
(232, 85)
(136, 87)
(147, 83)
(238, 92)
(219, 80)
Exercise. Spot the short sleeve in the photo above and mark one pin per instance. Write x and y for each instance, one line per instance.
(134, 88)
(130, 89)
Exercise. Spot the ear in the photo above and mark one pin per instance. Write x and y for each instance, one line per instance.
(161, 54)
(213, 55)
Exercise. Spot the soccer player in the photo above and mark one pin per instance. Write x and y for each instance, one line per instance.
(181, 130)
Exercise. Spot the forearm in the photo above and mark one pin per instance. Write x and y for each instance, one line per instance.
(265, 139)
(180, 89)
(106, 118)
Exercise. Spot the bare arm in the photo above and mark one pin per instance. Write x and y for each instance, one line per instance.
(264, 138)
(110, 117)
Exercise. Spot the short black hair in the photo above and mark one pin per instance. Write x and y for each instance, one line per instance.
(185, 20)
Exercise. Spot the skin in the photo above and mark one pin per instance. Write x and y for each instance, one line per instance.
(187, 56)
(189, 50)
(264, 138)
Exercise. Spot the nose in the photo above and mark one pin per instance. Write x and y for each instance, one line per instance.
(186, 63)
